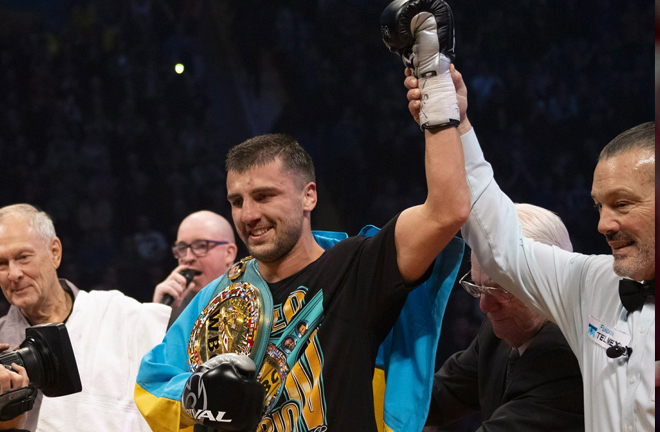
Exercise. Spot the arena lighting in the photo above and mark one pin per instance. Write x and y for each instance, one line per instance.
(178, 68)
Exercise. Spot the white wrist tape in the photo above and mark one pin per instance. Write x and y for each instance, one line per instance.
(439, 106)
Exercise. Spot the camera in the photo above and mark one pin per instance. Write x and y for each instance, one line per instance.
(47, 356)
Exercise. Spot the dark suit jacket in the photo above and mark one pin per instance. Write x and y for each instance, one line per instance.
(545, 392)
(176, 311)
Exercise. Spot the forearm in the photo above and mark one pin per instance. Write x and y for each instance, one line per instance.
(164, 370)
(493, 229)
(158, 390)
(544, 277)
(422, 232)
(448, 197)
(465, 126)
(16, 423)
(455, 389)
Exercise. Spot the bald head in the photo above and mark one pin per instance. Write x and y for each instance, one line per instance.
(211, 224)
(206, 225)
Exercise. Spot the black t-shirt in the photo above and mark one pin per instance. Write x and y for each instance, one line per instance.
(330, 387)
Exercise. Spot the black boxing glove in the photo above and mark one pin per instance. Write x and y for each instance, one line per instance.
(422, 33)
(223, 393)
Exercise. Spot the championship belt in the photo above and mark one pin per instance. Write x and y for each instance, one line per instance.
(284, 351)
(238, 319)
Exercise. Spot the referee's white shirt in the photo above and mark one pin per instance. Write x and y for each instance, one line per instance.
(578, 292)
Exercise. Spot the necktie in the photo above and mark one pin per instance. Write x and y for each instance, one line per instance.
(513, 357)
(633, 294)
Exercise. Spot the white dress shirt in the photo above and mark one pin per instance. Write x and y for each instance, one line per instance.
(109, 334)
(578, 292)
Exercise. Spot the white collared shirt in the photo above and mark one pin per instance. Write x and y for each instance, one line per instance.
(578, 292)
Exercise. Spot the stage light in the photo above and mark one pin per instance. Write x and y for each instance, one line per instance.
(178, 68)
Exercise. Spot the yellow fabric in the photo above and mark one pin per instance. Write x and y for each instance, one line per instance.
(378, 384)
(162, 414)
(379, 398)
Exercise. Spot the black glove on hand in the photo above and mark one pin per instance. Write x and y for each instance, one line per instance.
(422, 32)
(223, 393)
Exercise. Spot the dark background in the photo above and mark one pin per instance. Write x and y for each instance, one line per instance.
(100, 132)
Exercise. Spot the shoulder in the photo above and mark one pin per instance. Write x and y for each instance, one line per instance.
(549, 337)
(597, 280)
(12, 327)
(551, 354)
(13, 317)
(589, 265)
(107, 296)
(372, 236)
(488, 345)
(116, 307)
(121, 302)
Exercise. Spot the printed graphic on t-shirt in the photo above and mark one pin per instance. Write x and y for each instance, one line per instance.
(295, 399)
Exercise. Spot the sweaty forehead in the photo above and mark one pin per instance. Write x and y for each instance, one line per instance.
(626, 171)
(272, 175)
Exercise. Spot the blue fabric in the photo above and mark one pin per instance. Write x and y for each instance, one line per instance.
(407, 355)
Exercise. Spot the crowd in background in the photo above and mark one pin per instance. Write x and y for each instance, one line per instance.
(99, 130)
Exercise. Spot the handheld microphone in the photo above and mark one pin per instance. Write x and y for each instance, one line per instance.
(617, 351)
(189, 274)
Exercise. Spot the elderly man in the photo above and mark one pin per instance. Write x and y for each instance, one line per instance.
(109, 332)
(519, 372)
(204, 244)
(603, 304)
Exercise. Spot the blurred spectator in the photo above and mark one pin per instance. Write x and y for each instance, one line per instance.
(205, 244)
(150, 243)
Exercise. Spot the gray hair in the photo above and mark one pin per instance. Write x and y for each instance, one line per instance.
(38, 220)
(543, 226)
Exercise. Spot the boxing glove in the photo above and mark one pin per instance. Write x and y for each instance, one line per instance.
(223, 393)
(422, 33)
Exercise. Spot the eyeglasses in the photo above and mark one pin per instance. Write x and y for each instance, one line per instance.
(500, 294)
(199, 248)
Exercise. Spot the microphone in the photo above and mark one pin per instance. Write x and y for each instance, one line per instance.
(618, 351)
(189, 274)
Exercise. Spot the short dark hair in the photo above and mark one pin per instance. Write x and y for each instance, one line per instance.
(263, 149)
(641, 137)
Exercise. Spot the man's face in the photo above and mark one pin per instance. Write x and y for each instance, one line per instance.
(216, 261)
(268, 208)
(28, 267)
(624, 193)
(512, 321)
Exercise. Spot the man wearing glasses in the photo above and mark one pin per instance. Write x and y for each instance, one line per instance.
(519, 371)
(205, 244)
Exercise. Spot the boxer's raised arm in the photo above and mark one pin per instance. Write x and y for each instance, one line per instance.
(422, 32)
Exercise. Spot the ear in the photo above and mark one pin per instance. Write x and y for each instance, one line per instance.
(232, 250)
(55, 249)
(309, 197)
